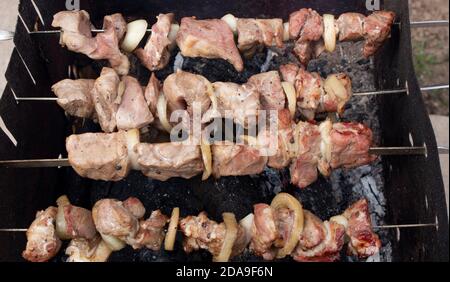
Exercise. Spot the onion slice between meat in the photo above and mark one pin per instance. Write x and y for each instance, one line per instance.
(230, 237)
(291, 96)
(173, 36)
(207, 158)
(61, 224)
(169, 241)
(246, 224)
(284, 200)
(286, 35)
(133, 139)
(329, 33)
(333, 86)
(161, 108)
(113, 243)
(136, 30)
(231, 22)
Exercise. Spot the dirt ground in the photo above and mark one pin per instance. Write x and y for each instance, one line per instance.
(431, 52)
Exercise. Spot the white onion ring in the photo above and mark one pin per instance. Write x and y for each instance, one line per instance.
(136, 30)
(133, 138)
(61, 224)
(207, 158)
(246, 224)
(329, 33)
(340, 219)
(230, 237)
(284, 200)
(286, 35)
(169, 241)
(231, 22)
(173, 36)
(291, 96)
(334, 86)
(161, 108)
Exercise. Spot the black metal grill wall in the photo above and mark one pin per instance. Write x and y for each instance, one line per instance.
(413, 185)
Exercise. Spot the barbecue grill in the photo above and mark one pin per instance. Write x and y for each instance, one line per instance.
(401, 189)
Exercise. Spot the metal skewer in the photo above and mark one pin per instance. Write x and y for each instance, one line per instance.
(374, 227)
(381, 151)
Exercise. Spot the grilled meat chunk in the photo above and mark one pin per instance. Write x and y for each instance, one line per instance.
(112, 218)
(211, 39)
(377, 28)
(238, 102)
(156, 54)
(99, 156)
(268, 84)
(278, 143)
(133, 111)
(167, 160)
(309, 91)
(152, 93)
(304, 167)
(135, 206)
(79, 223)
(202, 233)
(363, 241)
(351, 26)
(42, 242)
(106, 99)
(151, 232)
(183, 89)
(289, 72)
(264, 232)
(83, 250)
(255, 33)
(74, 96)
(236, 159)
(350, 145)
(76, 35)
(334, 100)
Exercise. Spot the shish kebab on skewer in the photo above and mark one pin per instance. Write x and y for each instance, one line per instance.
(123, 104)
(214, 38)
(273, 231)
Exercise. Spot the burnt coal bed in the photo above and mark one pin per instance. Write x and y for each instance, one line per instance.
(400, 190)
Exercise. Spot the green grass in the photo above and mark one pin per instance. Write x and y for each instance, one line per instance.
(423, 61)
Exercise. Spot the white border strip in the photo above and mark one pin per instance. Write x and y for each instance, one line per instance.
(38, 12)
(8, 133)
(23, 22)
(25, 64)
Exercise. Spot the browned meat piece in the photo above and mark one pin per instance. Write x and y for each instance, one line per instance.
(166, 160)
(202, 233)
(82, 250)
(183, 89)
(152, 93)
(106, 99)
(156, 54)
(304, 168)
(133, 111)
(208, 39)
(238, 102)
(313, 233)
(289, 72)
(350, 144)
(268, 84)
(363, 242)
(377, 28)
(151, 232)
(304, 51)
(305, 24)
(351, 26)
(135, 206)
(335, 102)
(309, 90)
(76, 35)
(79, 223)
(264, 232)
(253, 33)
(74, 96)
(75, 31)
(284, 219)
(116, 22)
(236, 159)
(99, 156)
(112, 218)
(278, 143)
(42, 242)
(328, 249)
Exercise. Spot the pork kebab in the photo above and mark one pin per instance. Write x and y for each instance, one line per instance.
(273, 231)
(214, 38)
(305, 147)
(123, 104)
